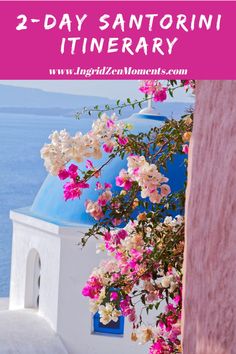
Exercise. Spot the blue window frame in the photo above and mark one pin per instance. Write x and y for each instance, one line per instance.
(115, 328)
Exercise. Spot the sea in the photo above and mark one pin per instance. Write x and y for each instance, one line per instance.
(22, 171)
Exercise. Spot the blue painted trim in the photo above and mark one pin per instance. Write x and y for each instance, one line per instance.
(98, 327)
(149, 116)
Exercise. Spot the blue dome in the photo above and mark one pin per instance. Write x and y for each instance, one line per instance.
(50, 205)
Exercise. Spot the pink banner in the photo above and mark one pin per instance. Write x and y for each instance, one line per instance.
(117, 40)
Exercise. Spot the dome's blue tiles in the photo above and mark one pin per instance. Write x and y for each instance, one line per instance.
(49, 203)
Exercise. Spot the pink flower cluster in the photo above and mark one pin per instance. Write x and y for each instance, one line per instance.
(155, 89)
(72, 189)
(109, 146)
(127, 309)
(95, 208)
(130, 260)
(189, 84)
(92, 288)
(185, 149)
(107, 133)
(111, 132)
(160, 347)
(112, 239)
(150, 180)
(169, 332)
(169, 328)
(124, 180)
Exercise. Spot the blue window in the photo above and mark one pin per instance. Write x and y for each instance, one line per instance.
(116, 328)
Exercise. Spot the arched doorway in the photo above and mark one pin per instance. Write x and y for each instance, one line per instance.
(33, 278)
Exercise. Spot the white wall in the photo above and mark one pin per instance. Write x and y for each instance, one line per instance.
(74, 318)
(28, 234)
(65, 269)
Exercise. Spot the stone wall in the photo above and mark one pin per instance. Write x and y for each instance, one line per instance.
(209, 319)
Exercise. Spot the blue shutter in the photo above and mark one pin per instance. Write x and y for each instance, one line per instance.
(116, 328)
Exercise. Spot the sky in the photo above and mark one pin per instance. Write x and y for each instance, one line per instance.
(104, 88)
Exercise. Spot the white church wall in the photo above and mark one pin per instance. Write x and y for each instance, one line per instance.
(30, 233)
(65, 268)
(74, 318)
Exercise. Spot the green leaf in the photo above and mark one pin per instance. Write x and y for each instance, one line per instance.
(171, 92)
(143, 299)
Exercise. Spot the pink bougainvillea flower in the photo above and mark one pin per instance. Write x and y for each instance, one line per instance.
(189, 84)
(160, 347)
(148, 86)
(174, 333)
(136, 255)
(170, 307)
(177, 299)
(185, 148)
(155, 197)
(116, 222)
(110, 123)
(94, 209)
(108, 185)
(99, 186)
(104, 198)
(115, 276)
(63, 174)
(132, 316)
(122, 140)
(92, 288)
(89, 164)
(132, 264)
(73, 171)
(119, 256)
(107, 236)
(122, 234)
(82, 184)
(165, 190)
(115, 205)
(123, 180)
(109, 247)
(73, 190)
(136, 171)
(186, 82)
(108, 147)
(125, 306)
(154, 88)
(160, 95)
(114, 296)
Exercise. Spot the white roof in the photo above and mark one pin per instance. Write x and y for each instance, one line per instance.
(25, 332)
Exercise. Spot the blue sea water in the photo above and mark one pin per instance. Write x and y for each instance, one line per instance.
(22, 171)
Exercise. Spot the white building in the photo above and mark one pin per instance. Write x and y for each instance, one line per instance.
(48, 273)
(49, 270)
